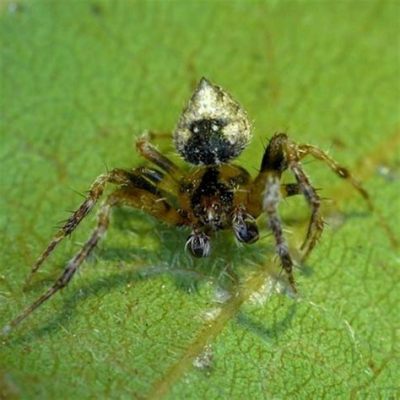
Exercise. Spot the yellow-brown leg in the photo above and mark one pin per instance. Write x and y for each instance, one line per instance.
(116, 176)
(149, 152)
(130, 196)
(316, 224)
(307, 149)
(152, 204)
(72, 266)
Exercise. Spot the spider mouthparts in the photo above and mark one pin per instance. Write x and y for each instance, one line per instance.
(199, 245)
(245, 228)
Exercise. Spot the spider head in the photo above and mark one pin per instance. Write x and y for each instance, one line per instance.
(213, 128)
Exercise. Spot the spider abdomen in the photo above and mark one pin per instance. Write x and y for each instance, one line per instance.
(213, 128)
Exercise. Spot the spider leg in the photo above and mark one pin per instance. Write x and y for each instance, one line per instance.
(116, 176)
(271, 199)
(149, 152)
(254, 200)
(73, 265)
(306, 149)
(132, 196)
(164, 182)
(316, 224)
(267, 192)
(151, 203)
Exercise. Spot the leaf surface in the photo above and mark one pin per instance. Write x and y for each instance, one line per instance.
(80, 81)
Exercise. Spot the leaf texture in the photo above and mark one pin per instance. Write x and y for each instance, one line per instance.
(80, 81)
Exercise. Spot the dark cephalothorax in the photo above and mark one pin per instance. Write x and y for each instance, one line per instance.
(212, 200)
(215, 194)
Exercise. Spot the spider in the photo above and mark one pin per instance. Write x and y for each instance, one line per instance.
(215, 194)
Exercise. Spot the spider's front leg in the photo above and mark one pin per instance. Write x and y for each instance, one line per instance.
(296, 152)
(138, 193)
(72, 266)
(116, 176)
(316, 224)
(307, 149)
(280, 155)
(271, 199)
(266, 194)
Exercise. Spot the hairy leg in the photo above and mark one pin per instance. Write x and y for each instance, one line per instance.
(316, 224)
(151, 203)
(306, 149)
(271, 199)
(129, 196)
(149, 152)
(116, 176)
(266, 192)
(73, 265)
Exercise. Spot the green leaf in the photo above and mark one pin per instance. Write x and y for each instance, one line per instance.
(80, 81)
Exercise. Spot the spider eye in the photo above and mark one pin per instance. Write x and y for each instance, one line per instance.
(213, 128)
(199, 245)
(216, 207)
(206, 127)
